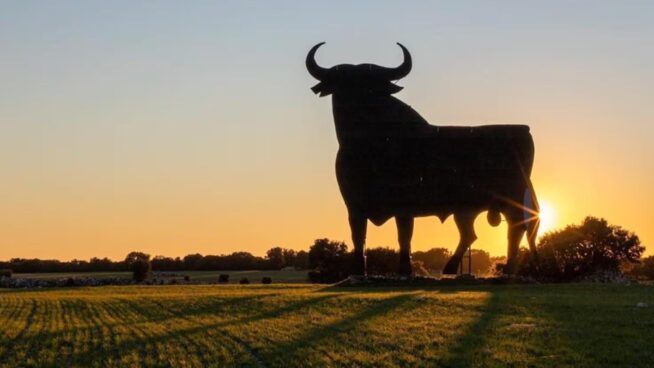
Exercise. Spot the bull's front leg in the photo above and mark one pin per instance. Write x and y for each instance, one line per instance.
(358, 226)
(404, 234)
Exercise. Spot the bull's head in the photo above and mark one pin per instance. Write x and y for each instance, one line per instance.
(357, 79)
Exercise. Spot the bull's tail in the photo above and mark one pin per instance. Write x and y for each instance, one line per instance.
(531, 215)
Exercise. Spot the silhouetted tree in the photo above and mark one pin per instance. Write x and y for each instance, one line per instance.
(276, 259)
(644, 269)
(433, 259)
(302, 260)
(290, 257)
(161, 263)
(329, 259)
(135, 256)
(582, 250)
(481, 262)
(192, 261)
(139, 264)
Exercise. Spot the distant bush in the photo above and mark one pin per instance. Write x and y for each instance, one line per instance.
(244, 281)
(140, 269)
(266, 280)
(223, 278)
(187, 278)
(5, 273)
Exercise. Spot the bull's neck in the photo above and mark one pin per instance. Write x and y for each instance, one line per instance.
(354, 117)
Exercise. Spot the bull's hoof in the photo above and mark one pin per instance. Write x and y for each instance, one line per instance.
(451, 268)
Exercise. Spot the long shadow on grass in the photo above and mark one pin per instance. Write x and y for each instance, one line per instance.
(313, 337)
(177, 335)
(469, 346)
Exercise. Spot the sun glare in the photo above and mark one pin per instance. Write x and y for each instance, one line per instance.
(547, 217)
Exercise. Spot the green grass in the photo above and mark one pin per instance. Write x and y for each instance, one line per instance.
(205, 276)
(577, 325)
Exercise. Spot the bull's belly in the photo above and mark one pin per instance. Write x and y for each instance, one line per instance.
(379, 203)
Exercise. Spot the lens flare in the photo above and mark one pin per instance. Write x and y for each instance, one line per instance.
(547, 216)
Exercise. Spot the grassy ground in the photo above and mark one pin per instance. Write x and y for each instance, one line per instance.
(206, 276)
(577, 325)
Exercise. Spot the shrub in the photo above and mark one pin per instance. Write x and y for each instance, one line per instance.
(244, 281)
(266, 280)
(187, 278)
(382, 261)
(5, 273)
(223, 278)
(140, 270)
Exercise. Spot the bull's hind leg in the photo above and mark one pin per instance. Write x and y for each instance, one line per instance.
(465, 222)
(404, 234)
(516, 232)
(358, 227)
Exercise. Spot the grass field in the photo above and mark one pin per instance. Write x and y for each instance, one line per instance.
(577, 325)
(204, 276)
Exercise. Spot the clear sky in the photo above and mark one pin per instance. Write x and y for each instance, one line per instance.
(175, 127)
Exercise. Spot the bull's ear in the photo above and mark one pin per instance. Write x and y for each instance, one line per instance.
(391, 88)
(322, 88)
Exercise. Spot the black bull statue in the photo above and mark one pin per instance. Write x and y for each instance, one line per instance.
(393, 163)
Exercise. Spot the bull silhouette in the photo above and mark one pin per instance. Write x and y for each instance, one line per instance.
(392, 163)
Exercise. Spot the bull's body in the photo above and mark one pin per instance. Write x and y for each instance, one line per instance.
(392, 163)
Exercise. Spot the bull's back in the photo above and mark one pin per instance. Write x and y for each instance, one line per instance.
(434, 169)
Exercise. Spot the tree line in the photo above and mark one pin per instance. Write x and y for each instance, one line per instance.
(276, 258)
(568, 254)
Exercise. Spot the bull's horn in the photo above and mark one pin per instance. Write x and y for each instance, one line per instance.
(314, 69)
(402, 70)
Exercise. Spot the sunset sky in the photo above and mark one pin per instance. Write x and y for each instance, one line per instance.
(183, 127)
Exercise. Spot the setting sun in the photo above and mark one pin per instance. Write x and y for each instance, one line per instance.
(547, 217)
